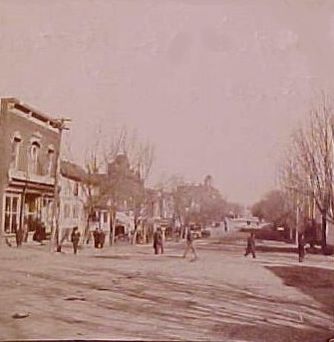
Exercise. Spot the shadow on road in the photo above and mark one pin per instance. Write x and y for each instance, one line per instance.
(286, 249)
(277, 249)
(269, 333)
(317, 283)
(121, 257)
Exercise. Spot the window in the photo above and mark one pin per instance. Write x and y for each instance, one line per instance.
(33, 157)
(50, 161)
(12, 211)
(15, 149)
(75, 211)
(76, 189)
(67, 211)
(68, 189)
(105, 217)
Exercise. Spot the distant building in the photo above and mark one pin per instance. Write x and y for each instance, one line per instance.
(159, 212)
(160, 207)
(199, 203)
(29, 143)
(248, 222)
(120, 190)
(72, 198)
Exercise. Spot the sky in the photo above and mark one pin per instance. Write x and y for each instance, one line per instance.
(216, 85)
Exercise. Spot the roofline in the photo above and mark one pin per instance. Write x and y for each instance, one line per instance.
(23, 107)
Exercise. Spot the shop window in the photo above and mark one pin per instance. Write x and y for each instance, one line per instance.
(12, 211)
(105, 217)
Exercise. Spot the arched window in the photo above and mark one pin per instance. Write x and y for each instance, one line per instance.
(33, 157)
(15, 150)
(50, 159)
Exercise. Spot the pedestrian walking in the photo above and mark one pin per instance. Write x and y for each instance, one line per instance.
(301, 248)
(225, 225)
(102, 238)
(190, 245)
(96, 236)
(157, 242)
(75, 238)
(251, 245)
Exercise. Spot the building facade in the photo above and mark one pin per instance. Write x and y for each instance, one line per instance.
(29, 145)
(72, 198)
(118, 196)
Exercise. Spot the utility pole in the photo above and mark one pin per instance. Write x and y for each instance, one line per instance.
(297, 220)
(54, 241)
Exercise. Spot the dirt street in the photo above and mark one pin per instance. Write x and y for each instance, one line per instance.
(126, 292)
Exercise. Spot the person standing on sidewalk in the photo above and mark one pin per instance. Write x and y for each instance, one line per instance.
(75, 238)
(251, 245)
(157, 241)
(190, 245)
(301, 248)
(160, 241)
(102, 238)
(96, 237)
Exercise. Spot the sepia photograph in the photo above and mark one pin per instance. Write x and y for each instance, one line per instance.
(167, 170)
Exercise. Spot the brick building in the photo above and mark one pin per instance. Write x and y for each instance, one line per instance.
(29, 145)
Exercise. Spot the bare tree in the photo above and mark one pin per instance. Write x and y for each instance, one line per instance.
(145, 156)
(141, 155)
(171, 182)
(308, 171)
(276, 207)
(121, 186)
(93, 165)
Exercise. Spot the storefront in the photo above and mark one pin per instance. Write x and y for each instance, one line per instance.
(27, 204)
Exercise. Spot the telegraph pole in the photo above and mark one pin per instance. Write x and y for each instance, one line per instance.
(54, 241)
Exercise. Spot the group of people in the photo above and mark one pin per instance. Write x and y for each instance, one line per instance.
(158, 243)
(99, 238)
(21, 232)
(250, 248)
(98, 235)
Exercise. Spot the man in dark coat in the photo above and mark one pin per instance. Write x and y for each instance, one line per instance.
(301, 248)
(75, 238)
(251, 245)
(157, 241)
(96, 236)
(102, 237)
(160, 241)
